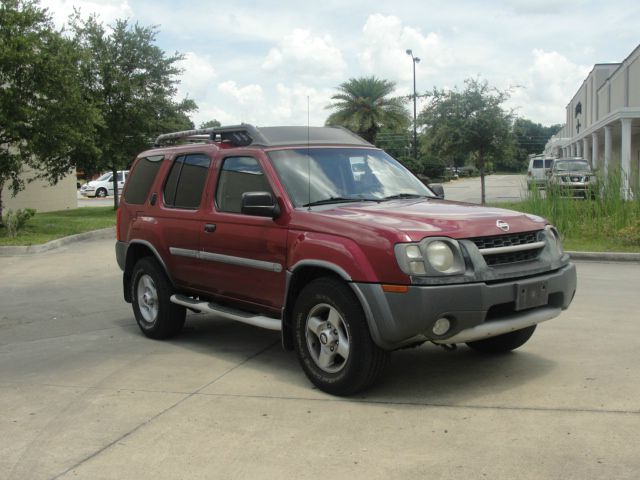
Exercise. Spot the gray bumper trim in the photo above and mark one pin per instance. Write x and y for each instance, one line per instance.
(475, 310)
(505, 325)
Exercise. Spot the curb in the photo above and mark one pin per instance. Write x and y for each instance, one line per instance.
(605, 256)
(103, 233)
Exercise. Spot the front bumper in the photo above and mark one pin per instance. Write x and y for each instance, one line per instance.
(475, 310)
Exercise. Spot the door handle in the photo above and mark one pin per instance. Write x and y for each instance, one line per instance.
(209, 227)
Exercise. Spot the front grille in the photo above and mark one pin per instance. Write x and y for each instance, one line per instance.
(508, 240)
(509, 255)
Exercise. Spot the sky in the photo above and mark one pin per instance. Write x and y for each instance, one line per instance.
(279, 62)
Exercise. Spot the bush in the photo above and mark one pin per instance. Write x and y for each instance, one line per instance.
(15, 221)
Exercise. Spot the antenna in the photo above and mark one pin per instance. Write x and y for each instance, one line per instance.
(308, 158)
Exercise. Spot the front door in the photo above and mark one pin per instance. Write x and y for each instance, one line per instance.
(242, 256)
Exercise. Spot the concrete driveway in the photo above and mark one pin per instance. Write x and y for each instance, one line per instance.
(84, 395)
(498, 188)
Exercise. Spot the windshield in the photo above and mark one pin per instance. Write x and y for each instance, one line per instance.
(344, 175)
(104, 176)
(572, 166)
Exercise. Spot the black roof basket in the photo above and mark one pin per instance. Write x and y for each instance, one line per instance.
(238, 135)
(245, 134)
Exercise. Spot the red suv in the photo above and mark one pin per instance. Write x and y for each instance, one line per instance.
(318, 234)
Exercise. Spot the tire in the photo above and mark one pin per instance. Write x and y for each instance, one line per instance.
(332, 339)
(151, 290)
(101, 192)
(505, 342)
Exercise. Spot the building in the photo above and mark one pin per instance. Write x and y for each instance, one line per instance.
(603, 122)
(43, 197)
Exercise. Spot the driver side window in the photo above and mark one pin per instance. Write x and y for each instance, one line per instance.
(237, 176)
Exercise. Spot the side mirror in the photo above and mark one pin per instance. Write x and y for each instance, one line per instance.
(437, 189)
(259, 204)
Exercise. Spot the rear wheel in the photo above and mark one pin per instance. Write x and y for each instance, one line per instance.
(505, 342)
(151, 290)
(332, 339)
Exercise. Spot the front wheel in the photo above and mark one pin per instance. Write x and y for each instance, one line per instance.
(505, 342)
(332, 339)
(151, 291)
(101, 192)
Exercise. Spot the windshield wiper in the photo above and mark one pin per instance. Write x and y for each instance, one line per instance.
(400, 196)
(330, 200)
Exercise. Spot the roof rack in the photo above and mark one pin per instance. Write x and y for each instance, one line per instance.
(245, 134)
(238, 135)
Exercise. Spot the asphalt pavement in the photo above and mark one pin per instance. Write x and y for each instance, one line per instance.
(83, 395)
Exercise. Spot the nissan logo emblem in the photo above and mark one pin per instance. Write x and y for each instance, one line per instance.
(504, 226)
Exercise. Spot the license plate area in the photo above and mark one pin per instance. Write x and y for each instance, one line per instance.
(531, 294)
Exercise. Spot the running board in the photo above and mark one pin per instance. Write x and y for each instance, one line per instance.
(229, 313)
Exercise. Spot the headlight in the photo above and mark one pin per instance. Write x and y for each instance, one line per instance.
(554, 236)
(430, 257)
(440, 256)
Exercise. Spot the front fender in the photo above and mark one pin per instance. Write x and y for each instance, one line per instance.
(341, 255)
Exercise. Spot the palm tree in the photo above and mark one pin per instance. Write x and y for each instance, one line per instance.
(363, 106)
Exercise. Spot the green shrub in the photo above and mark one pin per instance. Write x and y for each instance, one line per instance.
(15, 221)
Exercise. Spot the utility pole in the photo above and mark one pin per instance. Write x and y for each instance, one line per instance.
(415, 133)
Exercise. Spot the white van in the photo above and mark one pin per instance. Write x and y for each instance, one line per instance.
(537, 171)
(103, 186)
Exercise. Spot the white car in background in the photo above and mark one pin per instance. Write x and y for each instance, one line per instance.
(537, 171)
(103, 186)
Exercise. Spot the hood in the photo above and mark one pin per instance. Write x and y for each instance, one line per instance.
(413, 220)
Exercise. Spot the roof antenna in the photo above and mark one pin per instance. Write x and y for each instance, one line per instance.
(308, 157)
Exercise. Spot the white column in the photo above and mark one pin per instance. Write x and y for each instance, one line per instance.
(585, 150)
(573, 150)
(607, 149)
(595, 147)
(625, 157)
(578, 148)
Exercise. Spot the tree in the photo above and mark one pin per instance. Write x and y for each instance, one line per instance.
(364, 106)
(210, 124)
(45, 122)
(531, 138)
(468, 123)
(132, 84)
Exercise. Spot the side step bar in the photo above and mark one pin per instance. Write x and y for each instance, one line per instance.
(229, 313)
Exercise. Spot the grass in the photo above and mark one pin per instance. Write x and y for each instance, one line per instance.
(44, 227)
(604, 224)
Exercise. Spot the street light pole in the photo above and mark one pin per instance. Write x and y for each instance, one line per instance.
(415, 134)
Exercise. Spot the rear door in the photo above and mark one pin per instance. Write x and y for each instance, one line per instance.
(179, 215)
(243, 256)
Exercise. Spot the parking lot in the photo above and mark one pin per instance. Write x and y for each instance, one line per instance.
(84, 395)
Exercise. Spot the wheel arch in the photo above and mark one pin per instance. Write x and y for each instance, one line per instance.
(298, 277)
(136, 250)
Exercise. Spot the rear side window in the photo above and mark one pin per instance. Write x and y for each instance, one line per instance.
(548, 162)
(140, 181)
(185, 182)
(239, 175)
(537, 164)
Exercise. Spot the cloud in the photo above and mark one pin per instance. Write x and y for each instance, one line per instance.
(197, 77)
(306, 55)
(291, 104)
(106, 10)
(384, 43)
(247, 95)
(550, 83)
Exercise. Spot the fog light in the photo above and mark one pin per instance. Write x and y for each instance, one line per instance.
(441, 326)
